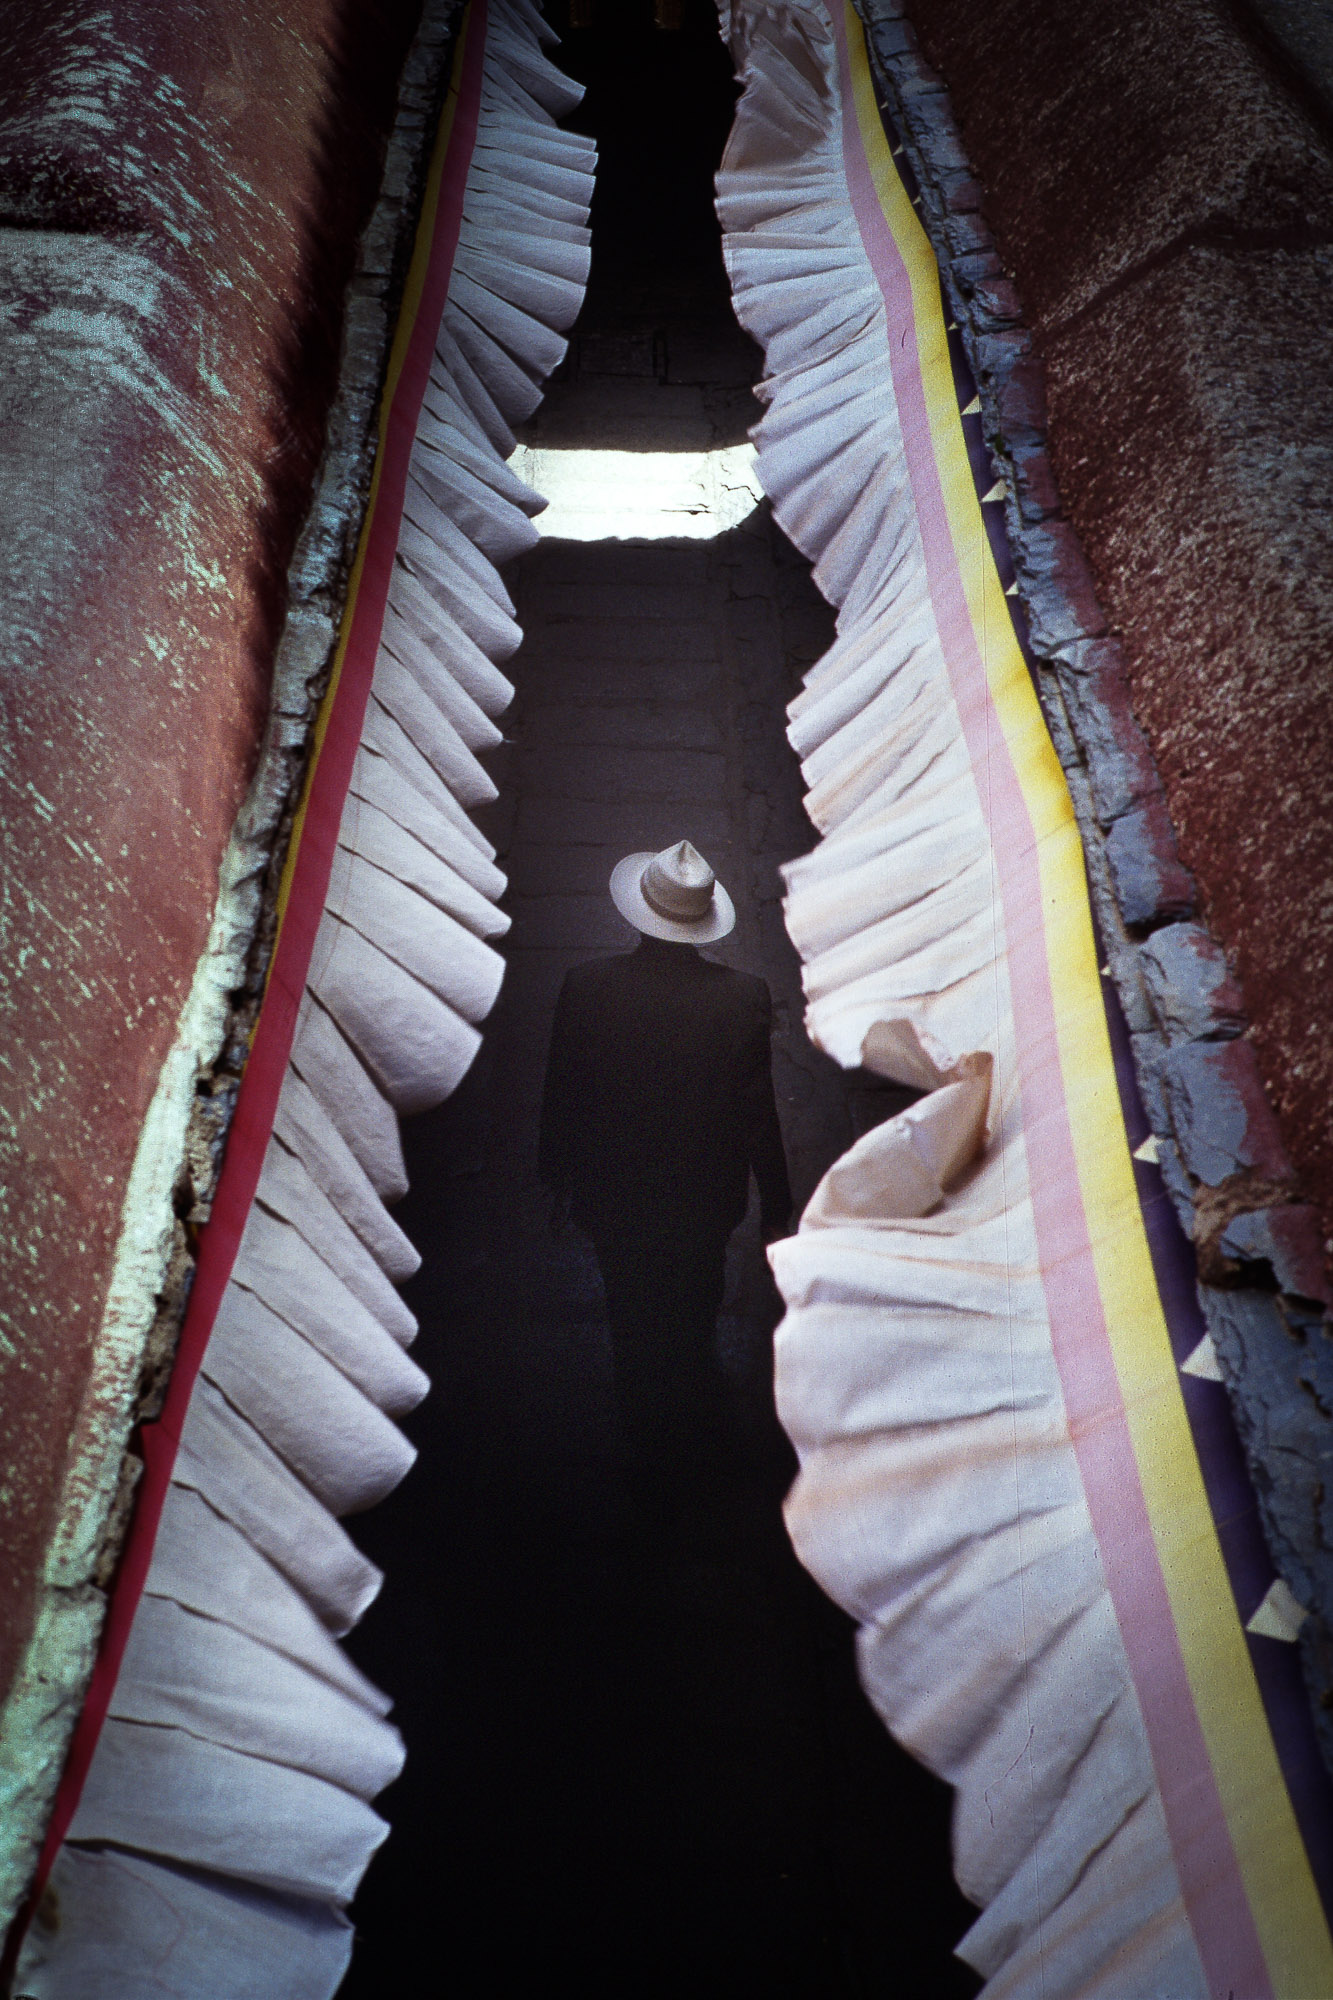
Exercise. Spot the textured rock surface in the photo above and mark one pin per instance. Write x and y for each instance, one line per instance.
(1261, 1250)
(1159, 181)
(182, 188)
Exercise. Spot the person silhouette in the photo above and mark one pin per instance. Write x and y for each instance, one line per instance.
(658, 1105)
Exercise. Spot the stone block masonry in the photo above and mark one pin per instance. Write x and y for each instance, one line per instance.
(651, 687)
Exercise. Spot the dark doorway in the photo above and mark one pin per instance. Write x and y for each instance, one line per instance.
(637, 1767)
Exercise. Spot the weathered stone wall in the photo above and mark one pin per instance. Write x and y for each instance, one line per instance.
(1159, 181)
(187, 192)
(1259, 1245)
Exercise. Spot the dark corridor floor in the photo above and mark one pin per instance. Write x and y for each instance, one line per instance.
(636, 1767)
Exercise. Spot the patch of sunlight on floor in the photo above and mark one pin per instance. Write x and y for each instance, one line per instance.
(599, 496)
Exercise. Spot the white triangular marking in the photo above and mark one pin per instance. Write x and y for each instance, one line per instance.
(996, 493)
(1012, 590)
(1148, 1150)
(1203, 1362)
(1279, 1616)
(974, 408)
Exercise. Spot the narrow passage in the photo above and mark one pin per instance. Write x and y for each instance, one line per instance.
(634, 1769)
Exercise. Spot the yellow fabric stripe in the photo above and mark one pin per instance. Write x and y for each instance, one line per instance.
(407, 314)
(1271, 1855)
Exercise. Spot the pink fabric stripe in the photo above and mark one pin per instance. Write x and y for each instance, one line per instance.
(266, 1066)
(1210, 1877)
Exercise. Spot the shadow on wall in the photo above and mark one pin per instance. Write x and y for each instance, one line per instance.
(639, 1763)
(642, 1764)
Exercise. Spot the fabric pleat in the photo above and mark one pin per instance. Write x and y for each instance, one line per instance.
(939, 1498)
(227, 1817)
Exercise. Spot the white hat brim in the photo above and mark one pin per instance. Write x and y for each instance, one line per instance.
(628, 897)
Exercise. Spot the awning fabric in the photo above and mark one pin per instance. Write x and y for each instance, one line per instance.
(1048, 1544)
(215, 1817)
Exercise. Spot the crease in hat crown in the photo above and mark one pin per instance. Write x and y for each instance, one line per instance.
(678, 883)
(673, 894)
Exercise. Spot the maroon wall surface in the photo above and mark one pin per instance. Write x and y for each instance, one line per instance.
(181, 186)
(1163, 194)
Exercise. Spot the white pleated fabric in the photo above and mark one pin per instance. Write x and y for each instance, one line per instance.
(939, 1499)
(227, 1817)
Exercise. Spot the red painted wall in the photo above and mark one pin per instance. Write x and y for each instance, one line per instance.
(1166, 206)
(182, 183)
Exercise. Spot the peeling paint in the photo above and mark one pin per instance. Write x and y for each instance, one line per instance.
(171, 315)
(1218, 1146)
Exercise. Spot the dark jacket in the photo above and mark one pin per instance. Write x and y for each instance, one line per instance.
(659, 1095)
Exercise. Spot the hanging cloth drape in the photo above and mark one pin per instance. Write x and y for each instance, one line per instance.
(215, 1816)
(1000, 1476)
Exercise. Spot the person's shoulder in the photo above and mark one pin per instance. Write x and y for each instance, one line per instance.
(743, 989)
(594, 974)
(745, 982)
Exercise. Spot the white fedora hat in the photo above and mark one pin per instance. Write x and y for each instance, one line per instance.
(674, 895)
